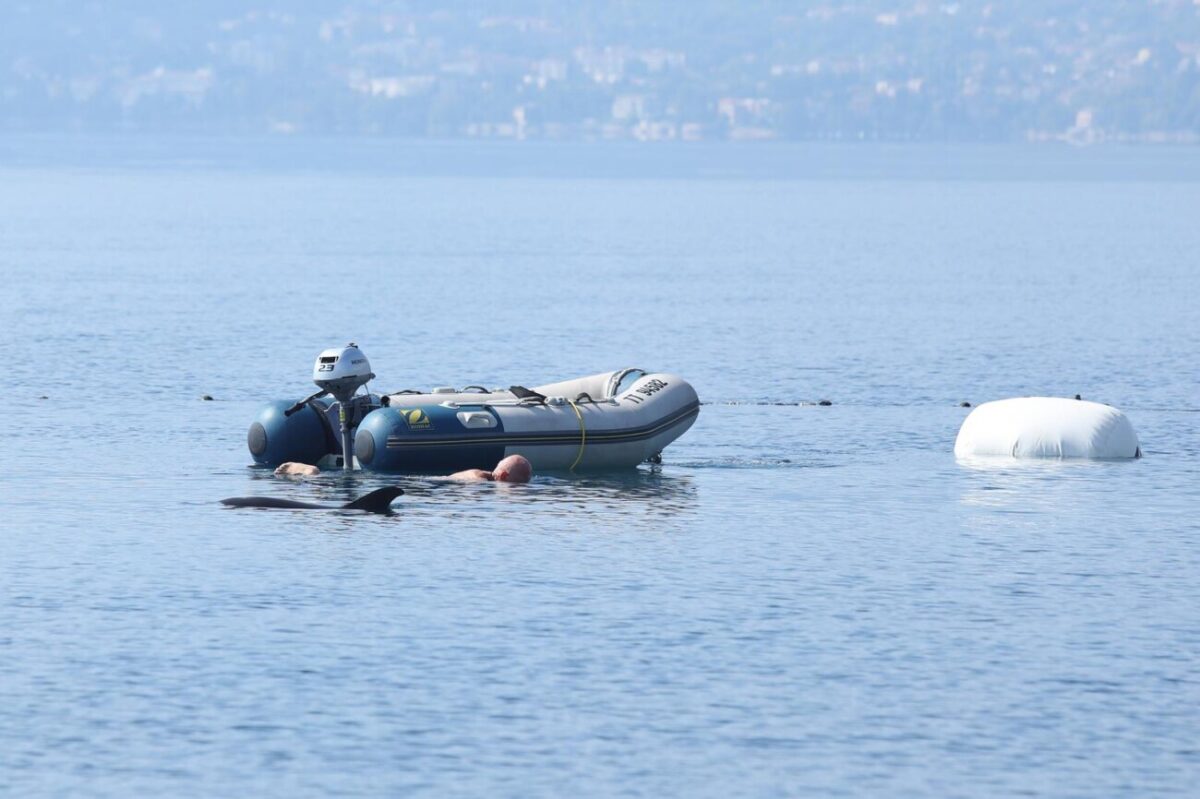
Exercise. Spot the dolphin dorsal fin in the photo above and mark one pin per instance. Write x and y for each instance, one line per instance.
(379, 501)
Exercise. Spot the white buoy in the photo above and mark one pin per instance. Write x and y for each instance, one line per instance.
(1046, 427)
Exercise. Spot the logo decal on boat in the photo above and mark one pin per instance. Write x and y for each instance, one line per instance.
(652, 386)
(416, 419)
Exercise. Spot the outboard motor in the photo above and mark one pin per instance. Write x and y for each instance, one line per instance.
(341, 372)
(303, 431)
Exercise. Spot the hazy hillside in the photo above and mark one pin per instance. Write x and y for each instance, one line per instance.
(1014, 70)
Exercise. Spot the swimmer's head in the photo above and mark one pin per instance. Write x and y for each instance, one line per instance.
(513, 469)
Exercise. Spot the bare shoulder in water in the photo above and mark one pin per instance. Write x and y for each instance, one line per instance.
(513, 469)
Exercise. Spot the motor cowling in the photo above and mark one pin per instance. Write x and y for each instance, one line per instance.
(341, 371)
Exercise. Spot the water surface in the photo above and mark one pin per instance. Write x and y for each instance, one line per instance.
(802, 599)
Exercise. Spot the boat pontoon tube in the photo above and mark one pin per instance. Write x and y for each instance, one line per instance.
(610, 420)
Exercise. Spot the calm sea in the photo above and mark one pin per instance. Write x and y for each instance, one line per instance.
(802, 600)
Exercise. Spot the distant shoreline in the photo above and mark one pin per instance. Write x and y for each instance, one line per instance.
(773, 160)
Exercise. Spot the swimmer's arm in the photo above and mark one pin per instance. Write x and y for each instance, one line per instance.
(471, 475)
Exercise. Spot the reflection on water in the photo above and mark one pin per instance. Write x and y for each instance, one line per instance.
(645, 491)
(1034, 485)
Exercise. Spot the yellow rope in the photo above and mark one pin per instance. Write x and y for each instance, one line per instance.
(582, 434)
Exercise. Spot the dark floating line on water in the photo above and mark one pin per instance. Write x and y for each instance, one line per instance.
(825, 403)
(752, 463)
(770, 403)
(962, 404)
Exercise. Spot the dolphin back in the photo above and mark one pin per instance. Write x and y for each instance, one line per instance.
(379, 501)
(376, 502)
(269, 502)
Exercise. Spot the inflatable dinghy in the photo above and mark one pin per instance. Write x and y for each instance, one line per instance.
(610, 420)
(1047, 427)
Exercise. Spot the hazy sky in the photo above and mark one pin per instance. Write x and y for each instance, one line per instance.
(873, 69)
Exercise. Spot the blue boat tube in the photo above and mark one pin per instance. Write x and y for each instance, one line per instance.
(308, 434)
(276, 438)
(607, 421)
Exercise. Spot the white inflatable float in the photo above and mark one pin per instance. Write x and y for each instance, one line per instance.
(1047, 427)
